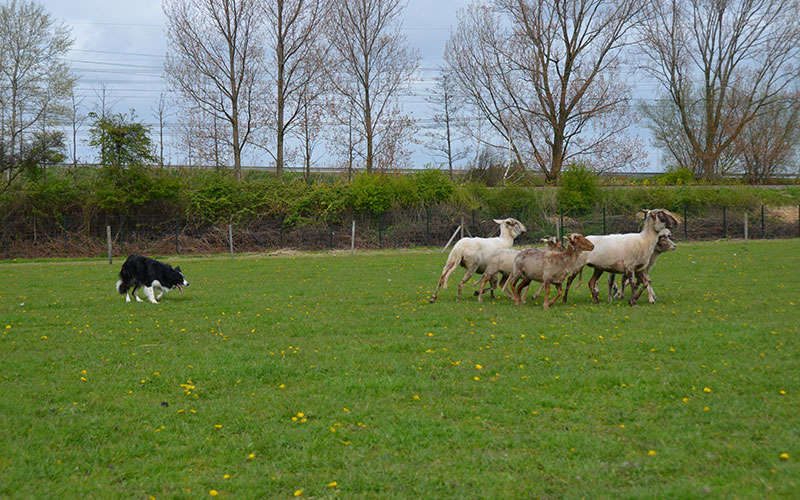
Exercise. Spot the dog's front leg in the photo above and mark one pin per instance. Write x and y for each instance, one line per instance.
(148, 291)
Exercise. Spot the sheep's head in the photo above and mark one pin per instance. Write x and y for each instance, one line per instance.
(552, 243)
(665, 243)
(578, 241)
(661, 219)
(512, 226)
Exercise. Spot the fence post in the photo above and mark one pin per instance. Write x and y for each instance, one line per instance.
(685, 224)
(473, 221)
(724, 222)
(798, 221)
(64, 226)
(177, 249)
(353, 239)
(561, 226)
(108, 241)
(762, 221)
(230, 234)
(428, 225)
(331, 224)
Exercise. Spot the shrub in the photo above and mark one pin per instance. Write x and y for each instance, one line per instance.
(579, 189)
(676, 176)
(433, 186)
(370, 193)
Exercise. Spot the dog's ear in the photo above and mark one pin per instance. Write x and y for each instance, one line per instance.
(178, 268)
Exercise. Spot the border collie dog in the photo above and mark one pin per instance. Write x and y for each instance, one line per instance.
(149, 274)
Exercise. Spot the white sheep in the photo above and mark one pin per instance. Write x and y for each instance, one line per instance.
(547, 267)
(474, 253)
(502, 262)
(664, 244)
(627, 254)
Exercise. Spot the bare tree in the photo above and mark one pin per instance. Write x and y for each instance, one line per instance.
(217, 64)
(76, 120)
(35, 82)
(545, 75)
(295, 30)
(721, 64)
(768, 145)
(446, 107)
(372, 63)
(161, 113)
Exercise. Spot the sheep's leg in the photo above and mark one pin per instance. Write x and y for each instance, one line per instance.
(481, 284)
(518, 290)
(448, 269)
(492, 284)
(525, 294)
(559, 290)
(538, 292)
(569, 283)
(545, 304)
(611, 286)
(651, 295)
(631, 276)
(467, 276)
(503, 279)
(593, 285)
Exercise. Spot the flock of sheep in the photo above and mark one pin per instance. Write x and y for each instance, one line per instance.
(631, 254)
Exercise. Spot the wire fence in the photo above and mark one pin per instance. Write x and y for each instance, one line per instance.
(117, 235)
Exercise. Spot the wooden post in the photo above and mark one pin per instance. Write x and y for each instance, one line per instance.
(353, 238)
(108, 241)
(462, 227)
(230, 238)
(451, 238)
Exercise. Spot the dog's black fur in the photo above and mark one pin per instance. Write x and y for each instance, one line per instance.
(138, 271)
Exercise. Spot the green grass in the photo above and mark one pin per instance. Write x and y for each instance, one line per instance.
(401, 399)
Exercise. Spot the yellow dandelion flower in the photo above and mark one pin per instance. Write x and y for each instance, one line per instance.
(476, 378)
(685, 400)
(706, 389)
(218, 426)
(333, 484)
(251, 456)
(478, 367)
(213, 493)
(226, 476)
(784, 456)
(300, 414)
(415, 397)
(297, 493)
(652, 453)
(782, 393)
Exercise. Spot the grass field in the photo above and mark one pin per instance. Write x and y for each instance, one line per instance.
(330, 376)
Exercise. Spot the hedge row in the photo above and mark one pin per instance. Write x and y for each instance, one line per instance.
(212, 195)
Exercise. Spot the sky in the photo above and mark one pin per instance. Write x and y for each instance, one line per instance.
(122, 43)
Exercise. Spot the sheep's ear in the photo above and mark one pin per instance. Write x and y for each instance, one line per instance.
(499, 221)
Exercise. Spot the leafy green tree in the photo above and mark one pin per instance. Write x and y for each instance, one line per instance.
(122, 140)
